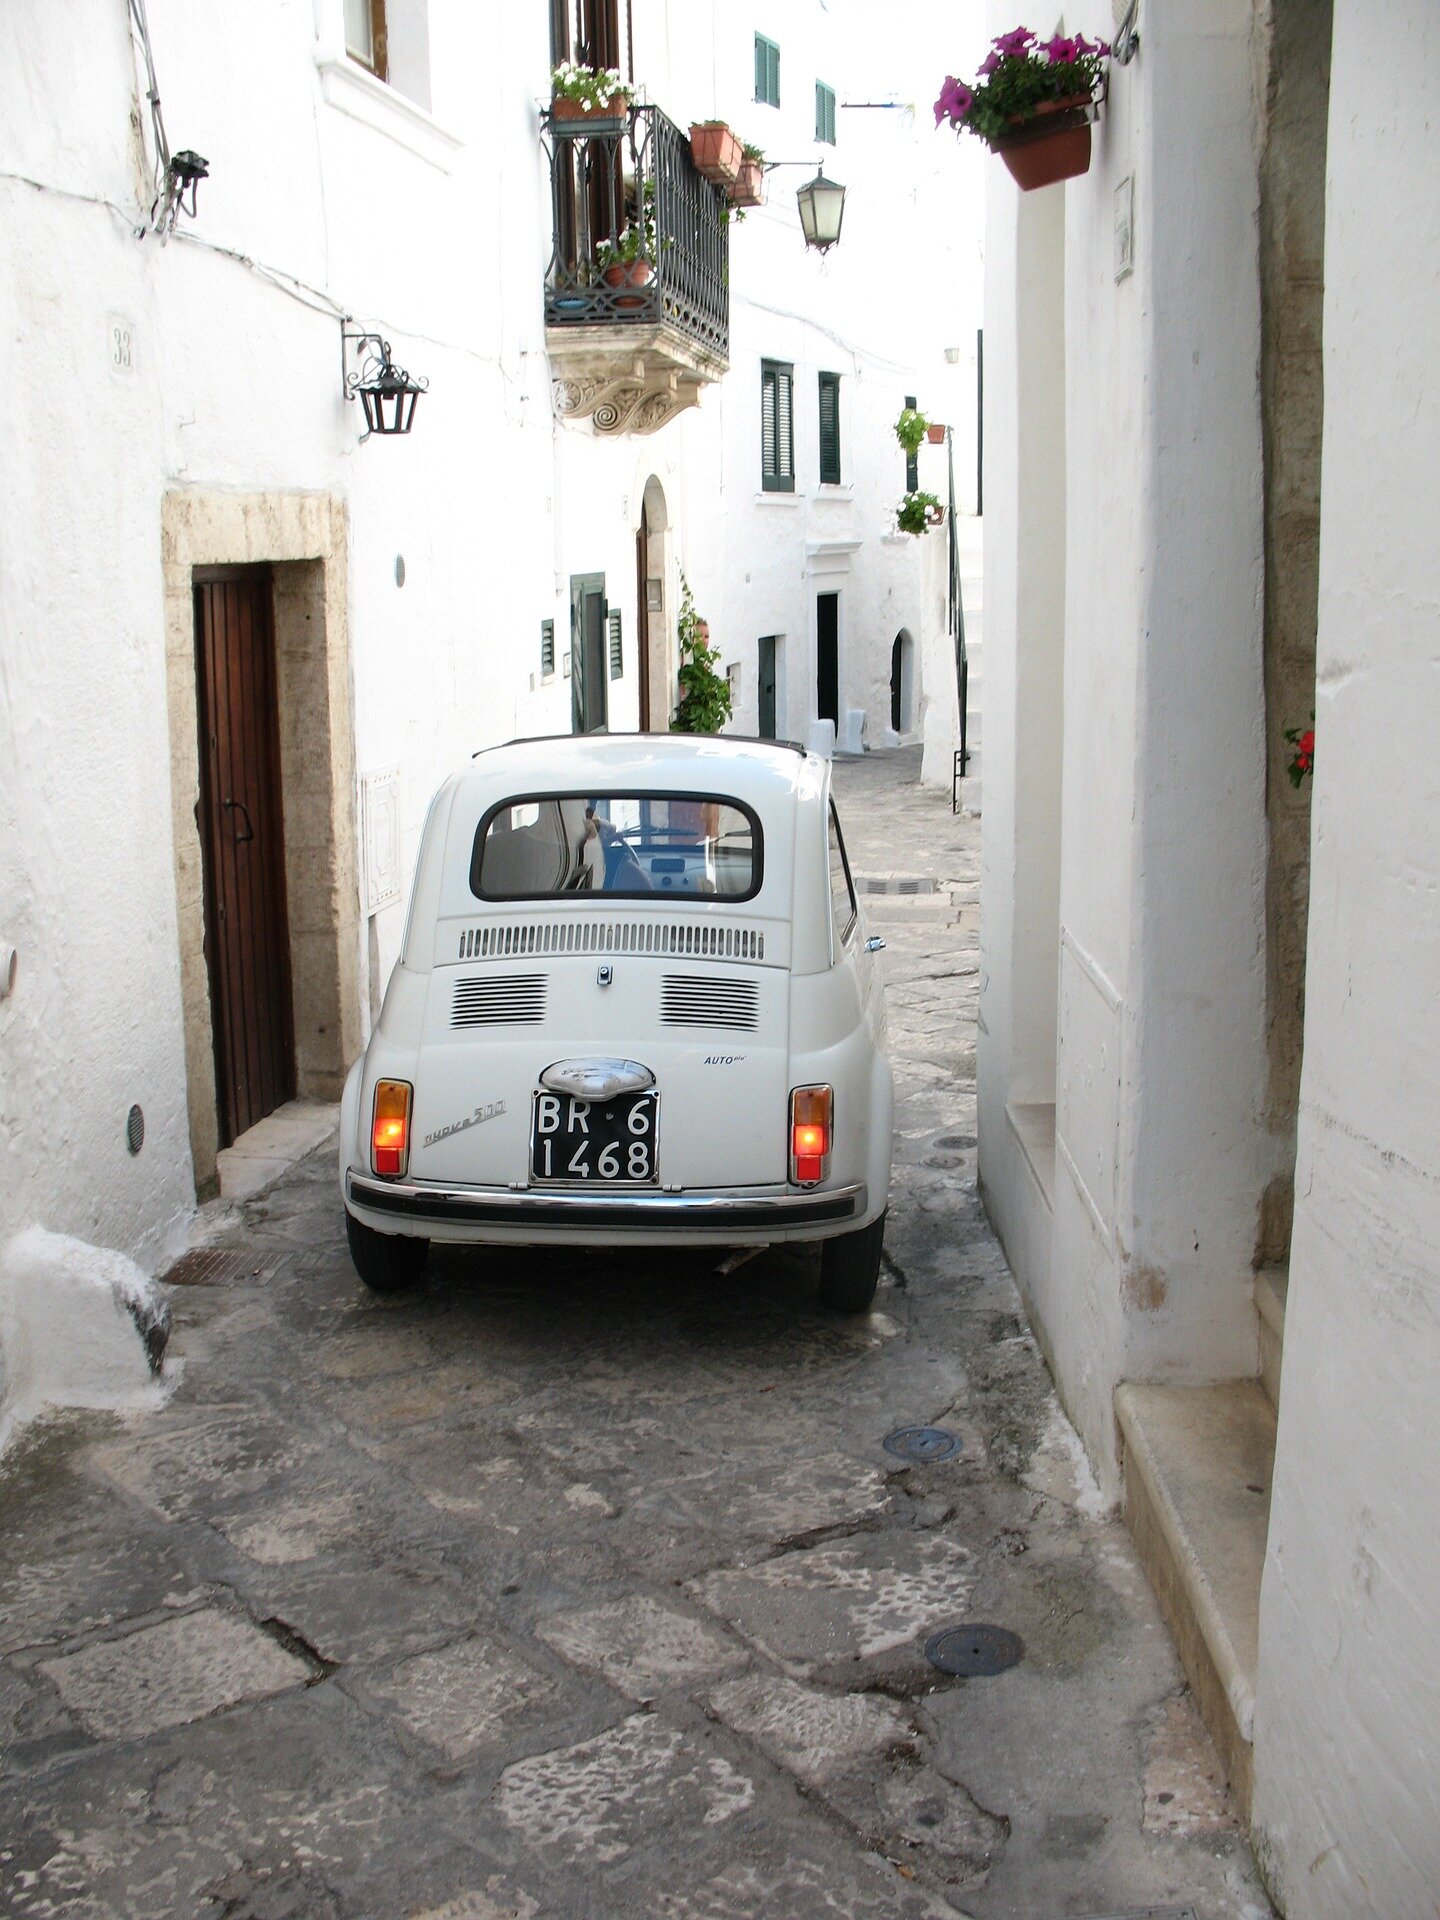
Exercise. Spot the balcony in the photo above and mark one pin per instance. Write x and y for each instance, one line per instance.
(637, 293)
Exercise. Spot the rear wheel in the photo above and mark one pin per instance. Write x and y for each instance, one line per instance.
(386, 1262)
(850, 1268)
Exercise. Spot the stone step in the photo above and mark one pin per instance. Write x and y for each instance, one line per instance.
(1197, 1464)
(1271, 1285)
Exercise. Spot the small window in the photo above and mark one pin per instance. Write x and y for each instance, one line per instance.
(767, 71)
(824, 113)
(777, 427)
(365, 36)
(842, 891)
(912, 460)
(547, 648)
(830, 429)
(617, 651)
(631, 845)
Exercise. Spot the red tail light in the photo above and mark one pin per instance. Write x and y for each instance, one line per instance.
(390, 1131)
(811, 1134)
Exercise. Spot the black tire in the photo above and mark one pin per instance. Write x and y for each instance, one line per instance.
(850, 1268)
(386, 1262)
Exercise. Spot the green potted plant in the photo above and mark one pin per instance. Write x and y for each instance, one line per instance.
(582, 93)
(910, 429)
(748, 189)
(716, 151)
(1032, 103)
(917, 511)
(704, 705)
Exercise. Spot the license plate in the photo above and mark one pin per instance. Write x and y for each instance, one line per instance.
(596, 1143)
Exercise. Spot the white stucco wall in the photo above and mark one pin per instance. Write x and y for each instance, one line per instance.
(423, 211)
(1135, 1002)
(1347, 1795)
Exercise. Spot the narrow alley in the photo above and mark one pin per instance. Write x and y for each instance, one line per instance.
(566, 1588)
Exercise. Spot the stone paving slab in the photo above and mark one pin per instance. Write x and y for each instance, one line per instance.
(579, 1588)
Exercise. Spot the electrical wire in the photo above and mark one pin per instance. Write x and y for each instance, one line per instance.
(165, 202)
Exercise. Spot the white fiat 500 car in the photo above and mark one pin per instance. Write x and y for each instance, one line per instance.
(636, 1005)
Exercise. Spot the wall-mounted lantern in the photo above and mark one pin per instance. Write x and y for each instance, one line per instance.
(822, 208)
(386, 392)
(186, 170)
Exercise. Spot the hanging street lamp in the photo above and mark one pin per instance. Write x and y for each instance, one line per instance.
(822, 208)
(387, 393)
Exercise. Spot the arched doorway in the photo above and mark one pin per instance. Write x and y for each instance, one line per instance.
(902, 683)
(657, 690)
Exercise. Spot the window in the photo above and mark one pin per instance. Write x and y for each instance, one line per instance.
(544, 846)
(842, 890)
(767, 71)
(824, 113)
(777, 431)
(547, 648)
(912, 460)
(617, 651)
(830, 429)
(365, 38)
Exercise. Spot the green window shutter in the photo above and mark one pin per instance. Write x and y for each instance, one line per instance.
(912, 460)
(824, 113)
(830, 429)
(617, 657)
(777, 434)
(547, 648)
(767, 71)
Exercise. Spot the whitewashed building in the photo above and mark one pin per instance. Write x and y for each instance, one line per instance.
(239, 648)
(1209, 1119)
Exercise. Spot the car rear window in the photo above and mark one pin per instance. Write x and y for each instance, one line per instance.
(625, 845)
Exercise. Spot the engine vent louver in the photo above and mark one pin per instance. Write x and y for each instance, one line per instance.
(692, 1000)
(664, 937)
(501, 1000)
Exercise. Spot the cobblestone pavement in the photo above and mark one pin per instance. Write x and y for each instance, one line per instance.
(570, 1588)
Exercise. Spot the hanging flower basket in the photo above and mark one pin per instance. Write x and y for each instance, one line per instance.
(748, 189)
(717, 152)
(935, 433)
(1032, 103)
(1051, 145)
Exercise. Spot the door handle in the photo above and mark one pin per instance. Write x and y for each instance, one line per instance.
(240, 807)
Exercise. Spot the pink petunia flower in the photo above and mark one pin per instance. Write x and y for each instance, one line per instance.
(954, 102)
(1061, 52)
(988, 65)
(1013, 44)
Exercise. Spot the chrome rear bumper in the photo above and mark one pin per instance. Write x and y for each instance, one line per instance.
(704, 1213)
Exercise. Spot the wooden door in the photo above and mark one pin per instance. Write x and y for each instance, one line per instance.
(765, 687)
(827, 657)
(242, 833)
(588, 706)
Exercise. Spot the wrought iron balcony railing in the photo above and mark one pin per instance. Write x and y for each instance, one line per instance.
(640, 236)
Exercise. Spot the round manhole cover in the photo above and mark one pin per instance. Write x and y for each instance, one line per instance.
(974, 1651)
(953, 1142)
(922, 1443)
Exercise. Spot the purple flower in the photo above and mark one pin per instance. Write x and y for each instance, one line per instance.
(954, 102)
(1012, 45)
(1084, 46)
(988, 65)
(1061, 52)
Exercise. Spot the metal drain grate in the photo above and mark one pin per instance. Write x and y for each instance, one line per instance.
(1147, 1913)
(215, 1266)
(926, 1444)
(974, 1651)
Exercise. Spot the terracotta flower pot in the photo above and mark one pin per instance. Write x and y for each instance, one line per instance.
(717, 153)
(629, 273)
(749, 188)
(1050, 145)
(563, 108)
(935, 434)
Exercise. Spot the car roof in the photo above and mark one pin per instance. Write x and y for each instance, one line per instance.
(753, 770)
